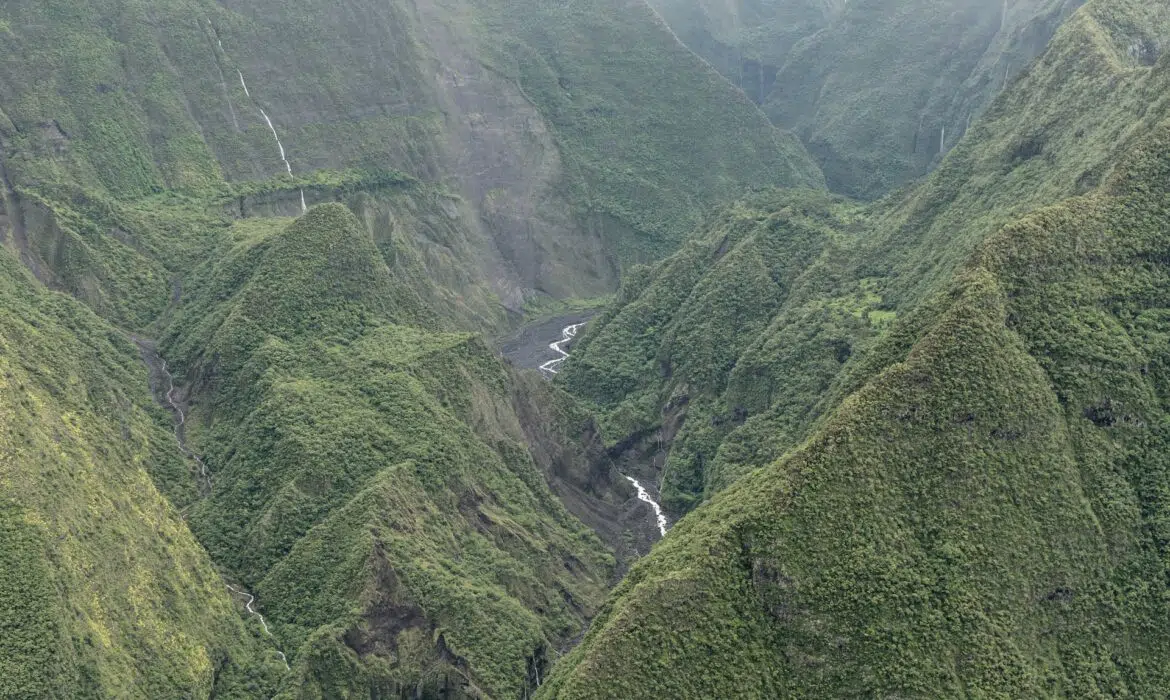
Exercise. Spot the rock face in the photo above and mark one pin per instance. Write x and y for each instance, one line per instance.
(890, 87)
(748, 41)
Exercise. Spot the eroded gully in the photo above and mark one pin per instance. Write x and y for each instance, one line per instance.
(155, 362)
(568, 333)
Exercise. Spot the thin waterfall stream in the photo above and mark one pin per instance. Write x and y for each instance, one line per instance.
(248, 606)
(154, 360)
(263, 113)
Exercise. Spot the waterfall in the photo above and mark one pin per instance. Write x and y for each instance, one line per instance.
(268, 121)
(279, 145)
(181, 424)
(644, 496)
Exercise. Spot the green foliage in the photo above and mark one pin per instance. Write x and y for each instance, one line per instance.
(373, 481)
(888, 88)
(652, 135)
(32, 643)
(747, 41)
(104, 591)
(968, 501)
(371, 478)
(982, 517)
(765, 377)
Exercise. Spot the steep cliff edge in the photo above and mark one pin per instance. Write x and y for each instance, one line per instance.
(878, 90)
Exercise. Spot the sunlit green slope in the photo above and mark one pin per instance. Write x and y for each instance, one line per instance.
(103, 590)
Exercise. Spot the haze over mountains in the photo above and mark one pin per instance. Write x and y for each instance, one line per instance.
(876, 306)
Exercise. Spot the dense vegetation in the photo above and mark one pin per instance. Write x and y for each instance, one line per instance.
(103, 590)
(378, 477)
(827, 277)
(371, 479)
(914, 447)
(545, 175)
(937, 470)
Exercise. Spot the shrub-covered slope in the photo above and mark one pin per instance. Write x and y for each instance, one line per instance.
(378, 477)
(891, 86)
(371, 480)
(983, 516)
(103, 590)
(944, 447)
(879, 90)
(747, 41)
(750, 371)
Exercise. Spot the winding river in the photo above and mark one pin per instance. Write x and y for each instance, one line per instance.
(248, 606)
(181, 423)
(568, 333)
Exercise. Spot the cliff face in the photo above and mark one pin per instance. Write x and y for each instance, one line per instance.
(878, 90)
(890, 87)
(557, 176)
(748, 41)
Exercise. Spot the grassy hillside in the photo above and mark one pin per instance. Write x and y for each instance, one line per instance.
(104, 591)
(982, 516)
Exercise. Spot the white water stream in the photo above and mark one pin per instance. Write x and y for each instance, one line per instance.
(567, 335)
(180, 423)
(267, 120)
(644, 496)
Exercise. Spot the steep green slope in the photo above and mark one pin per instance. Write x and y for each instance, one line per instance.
(780, 357)
(938, 470)
(983, 517)
(654, 135)
(371, 481)
(747, 41)
(375, 476)
(103, 592)
(878, 90)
